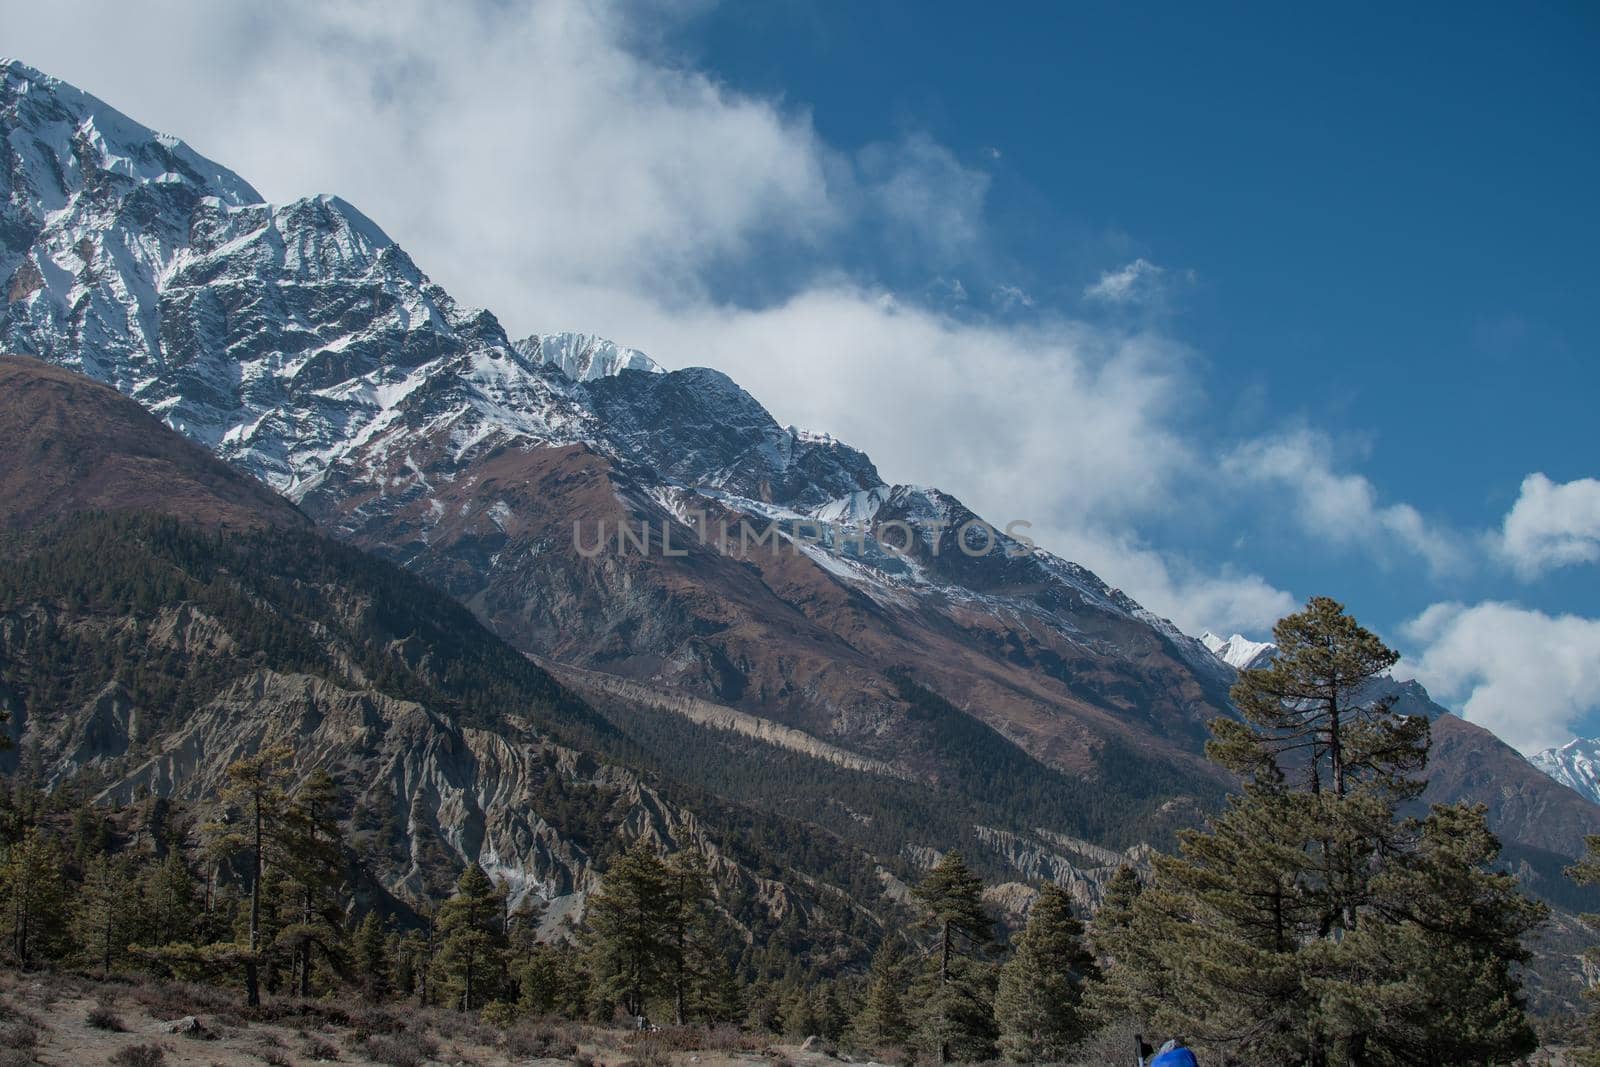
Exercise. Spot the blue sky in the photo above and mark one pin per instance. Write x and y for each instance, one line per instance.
(1390, 215)
(1237, 305)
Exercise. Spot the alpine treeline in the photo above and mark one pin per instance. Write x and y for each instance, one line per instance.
(1312, 922)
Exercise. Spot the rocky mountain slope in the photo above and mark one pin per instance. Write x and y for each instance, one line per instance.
(143, 649)
(144, 646)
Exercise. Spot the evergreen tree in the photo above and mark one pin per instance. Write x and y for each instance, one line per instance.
(254, 796)
(170, 899)
(412, 953)
(522, 926)
(34, 890)
(370, 952)
(701, 980)
(472, 939)
(630, 929)
(1586, 872)
(103, 919)
(1041, 986)
(310, 852)
(1111, 925)
(1278, 932)
(957, 1015)
(1431, 980)
(1310, 710)
(883, 1021)
(552, 981)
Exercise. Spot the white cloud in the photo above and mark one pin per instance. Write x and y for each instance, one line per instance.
(1342, 509)
(1551, 525)
(1528, 676)
(1139, 282)
(1194, 598)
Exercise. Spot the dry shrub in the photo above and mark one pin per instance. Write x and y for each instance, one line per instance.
(151, 1055)
(174, 1000)
(101, 1017)
(21, 1035)
(459, 1026)
(659, 1044)
(532, 1041)
(377, 1021)
(396, 1051)
(320, 1050)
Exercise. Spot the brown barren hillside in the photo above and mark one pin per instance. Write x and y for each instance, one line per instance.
(70, 444)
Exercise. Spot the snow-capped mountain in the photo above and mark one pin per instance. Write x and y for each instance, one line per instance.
(1239, 652)
(1575, 764)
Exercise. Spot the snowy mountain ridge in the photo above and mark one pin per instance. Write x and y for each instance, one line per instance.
(301, 344)
(1575, 764)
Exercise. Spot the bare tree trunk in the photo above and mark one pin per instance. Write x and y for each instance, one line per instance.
(252, 976)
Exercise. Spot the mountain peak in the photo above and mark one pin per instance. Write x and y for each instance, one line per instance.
(585, 357)
(1238, 651)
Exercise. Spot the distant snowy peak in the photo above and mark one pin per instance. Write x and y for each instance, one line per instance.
(72, 138)
(584, 357)
(1239, 652)
(1575, 764)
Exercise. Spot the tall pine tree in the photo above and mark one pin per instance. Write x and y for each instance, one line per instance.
(254, 798)
(954, 993)
(472, 939)
(630, 930)
(1038, 1004)
(1276, 934)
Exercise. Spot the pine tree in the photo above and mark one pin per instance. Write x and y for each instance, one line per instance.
(1433, 980)
(1041, 986)
(552, 981)
(1109, 928)
(35, 894)
(309, 850)
(883, 1020)
(472, 939)
(170, 898)
(103, 919)
(370, 952)
(1586, 872)
(1278, 932)
(254, 792)
(522, 926)
(957, 1014)
(1212, 949)
(630, 932)
(701, 980)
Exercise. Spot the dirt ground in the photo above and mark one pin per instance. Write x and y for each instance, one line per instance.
(63, 1021)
